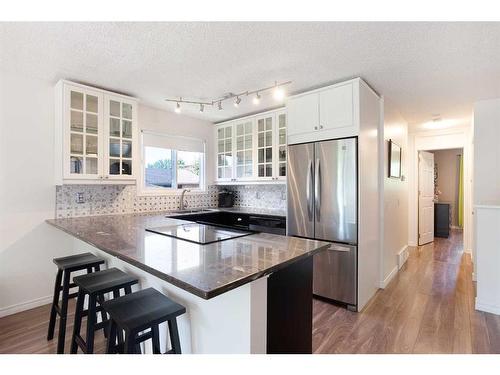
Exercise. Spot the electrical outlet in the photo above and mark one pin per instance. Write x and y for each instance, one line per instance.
(283, 196)
(80, 198)
(257, 195)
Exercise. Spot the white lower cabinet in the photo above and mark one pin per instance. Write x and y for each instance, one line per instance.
(252, 149)
(95, 135)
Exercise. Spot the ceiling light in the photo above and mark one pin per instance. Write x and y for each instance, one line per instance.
(256, 99)
(237, 101)
(178, 108)
(439, 123)
(278, 93)
(202, 107)
(219, 105)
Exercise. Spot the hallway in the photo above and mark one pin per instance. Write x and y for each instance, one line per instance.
(427, 308)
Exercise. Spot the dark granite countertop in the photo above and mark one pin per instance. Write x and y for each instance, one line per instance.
(204, 270)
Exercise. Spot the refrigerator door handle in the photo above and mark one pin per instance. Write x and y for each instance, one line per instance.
(308, 190)
(317, 190)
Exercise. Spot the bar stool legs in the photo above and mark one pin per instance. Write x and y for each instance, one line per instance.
(173, 332)
(55, 300)
(64, 313)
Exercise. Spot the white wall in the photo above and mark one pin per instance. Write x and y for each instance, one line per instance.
(447, 163)
(487, 152)
(27, 194)
(27, 190)
(395, 195)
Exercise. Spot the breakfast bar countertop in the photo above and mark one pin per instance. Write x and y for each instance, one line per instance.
(203, 270)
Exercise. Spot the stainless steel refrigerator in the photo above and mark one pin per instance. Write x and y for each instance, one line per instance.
(322, 192)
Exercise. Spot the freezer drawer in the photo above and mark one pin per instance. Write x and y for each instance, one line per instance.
(335, 273)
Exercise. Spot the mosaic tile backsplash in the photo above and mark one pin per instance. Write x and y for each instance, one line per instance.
(89, 200)
(260, 196)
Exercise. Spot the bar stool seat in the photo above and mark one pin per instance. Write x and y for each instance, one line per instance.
(139, 311)
(65, 267)
(77, 262)
(95, 285)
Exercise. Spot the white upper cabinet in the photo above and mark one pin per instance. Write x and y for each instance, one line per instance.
(303, 114)
(265, 147)
(120, 118)
(244, 140)
(336, 107)
(281, 150)
(224, 139)
(95, 135)
(252, 149)
(325, 113)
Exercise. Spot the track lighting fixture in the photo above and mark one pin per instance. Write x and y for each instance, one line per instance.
(256, 99)
(237, 101)
(277, 91)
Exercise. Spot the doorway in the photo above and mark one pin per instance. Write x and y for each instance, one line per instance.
(440, 193)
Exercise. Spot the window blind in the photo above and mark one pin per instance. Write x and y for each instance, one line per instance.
(181, 143)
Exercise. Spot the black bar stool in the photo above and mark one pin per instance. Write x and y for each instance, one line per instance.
(95, 285)
(67, 265)
(138, 312)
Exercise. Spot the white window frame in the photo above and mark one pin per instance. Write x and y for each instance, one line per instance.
(142, 190)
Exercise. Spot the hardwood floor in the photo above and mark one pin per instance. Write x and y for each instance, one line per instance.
(427, 308)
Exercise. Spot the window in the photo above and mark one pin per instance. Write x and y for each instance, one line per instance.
(171, 163)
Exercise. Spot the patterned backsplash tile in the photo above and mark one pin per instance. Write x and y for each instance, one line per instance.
(260, 196)
(123, 199)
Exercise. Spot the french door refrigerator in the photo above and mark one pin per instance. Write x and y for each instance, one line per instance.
(322, 204)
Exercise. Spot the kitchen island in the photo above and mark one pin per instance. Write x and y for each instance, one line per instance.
(251, 294)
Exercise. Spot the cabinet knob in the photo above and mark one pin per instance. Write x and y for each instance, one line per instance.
(315, 128)
(106, 177)
(321, 126)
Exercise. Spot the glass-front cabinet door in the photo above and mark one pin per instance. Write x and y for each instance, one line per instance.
(82, 123)
(120, 119)
(265, 146)
(244, 149)
(280, 156)
(224, 139)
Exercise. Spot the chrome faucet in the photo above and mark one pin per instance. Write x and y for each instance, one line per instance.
(182, 203)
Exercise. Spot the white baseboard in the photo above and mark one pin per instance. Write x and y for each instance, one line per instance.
(402, 255)
(9, 310)
(487, 307)
(387, 280)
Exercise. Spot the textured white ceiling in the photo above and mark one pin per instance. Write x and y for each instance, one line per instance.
(424, 68)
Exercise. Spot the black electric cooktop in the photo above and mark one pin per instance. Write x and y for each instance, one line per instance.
(200, 234)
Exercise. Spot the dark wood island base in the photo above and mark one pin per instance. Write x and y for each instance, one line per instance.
(289, 309)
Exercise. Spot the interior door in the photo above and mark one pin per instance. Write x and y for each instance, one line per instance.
(425, 197)
(300, 190)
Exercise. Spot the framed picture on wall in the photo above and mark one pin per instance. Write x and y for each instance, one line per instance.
(394, 160)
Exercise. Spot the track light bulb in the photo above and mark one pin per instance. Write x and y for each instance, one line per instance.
(202, 107)
(237, 101)
(178, 108)
(256, 99)
(219, 105)
(279, 93)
